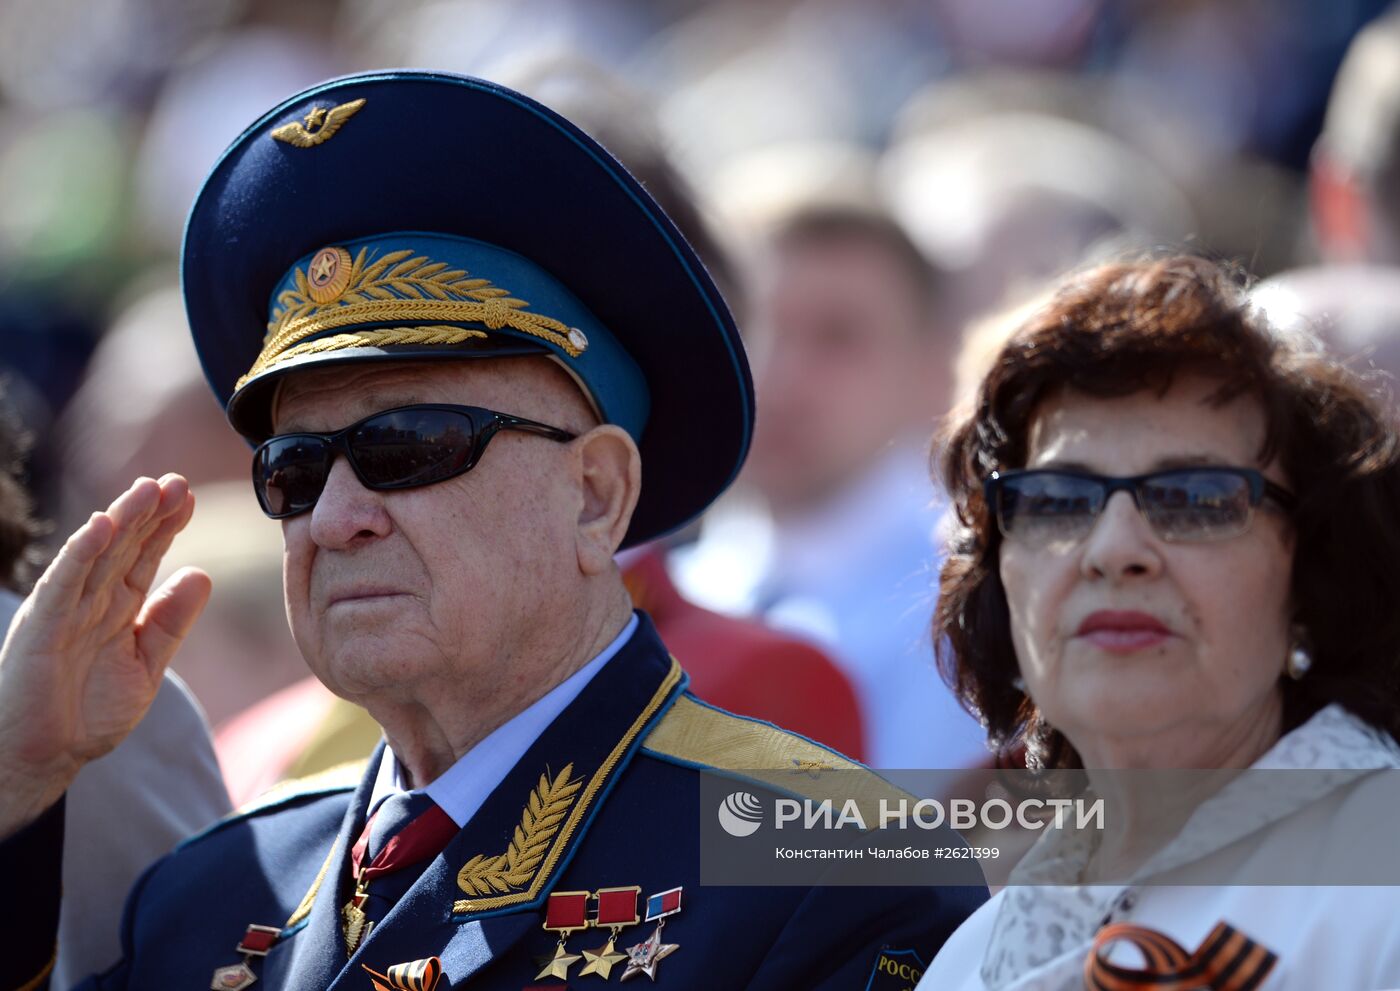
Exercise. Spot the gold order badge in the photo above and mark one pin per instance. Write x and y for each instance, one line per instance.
(328, 275)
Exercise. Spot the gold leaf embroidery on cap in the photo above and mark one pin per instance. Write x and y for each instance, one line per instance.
(401, 287)
(318, 126)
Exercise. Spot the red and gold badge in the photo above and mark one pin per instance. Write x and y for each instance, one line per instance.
(328, 275)
(256, 941)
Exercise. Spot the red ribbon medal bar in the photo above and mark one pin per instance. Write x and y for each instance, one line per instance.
(646, 955)
(255, 943)
(567, 912)
(617, 909)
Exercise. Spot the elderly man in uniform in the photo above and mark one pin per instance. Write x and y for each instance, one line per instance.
(449, 531)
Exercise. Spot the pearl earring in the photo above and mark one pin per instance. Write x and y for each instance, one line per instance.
(1019, 684)
(1299, 661)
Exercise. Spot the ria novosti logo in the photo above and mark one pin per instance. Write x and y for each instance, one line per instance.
(741, 814)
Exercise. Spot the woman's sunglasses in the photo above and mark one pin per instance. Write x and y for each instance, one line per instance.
(1045, 506)
(399, 448)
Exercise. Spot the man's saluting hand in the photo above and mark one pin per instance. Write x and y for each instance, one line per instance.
(85, 654)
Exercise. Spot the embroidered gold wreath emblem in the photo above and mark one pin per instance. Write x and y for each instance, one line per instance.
(318, 126)
(544, 813)
(401, 287)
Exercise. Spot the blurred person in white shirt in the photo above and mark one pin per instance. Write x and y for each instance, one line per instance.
(851, 368)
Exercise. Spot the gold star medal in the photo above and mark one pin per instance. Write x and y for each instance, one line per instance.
(617, 909)
(602, 960)
(255, 943)
(566, 912)
(646, 955)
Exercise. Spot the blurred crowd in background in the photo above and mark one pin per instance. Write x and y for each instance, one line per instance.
(879, 186)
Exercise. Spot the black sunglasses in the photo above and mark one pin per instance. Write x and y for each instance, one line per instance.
(399, 448)
(1045, 506)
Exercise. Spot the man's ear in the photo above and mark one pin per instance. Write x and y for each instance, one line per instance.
(610, 474)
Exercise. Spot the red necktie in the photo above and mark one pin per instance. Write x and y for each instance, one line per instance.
(422, 837)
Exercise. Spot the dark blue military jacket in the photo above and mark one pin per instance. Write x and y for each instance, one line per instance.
(608, 796)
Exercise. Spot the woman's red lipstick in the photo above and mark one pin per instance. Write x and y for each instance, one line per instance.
(1123, 632)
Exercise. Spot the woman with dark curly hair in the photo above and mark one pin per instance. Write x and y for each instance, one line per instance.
(1178, 547)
